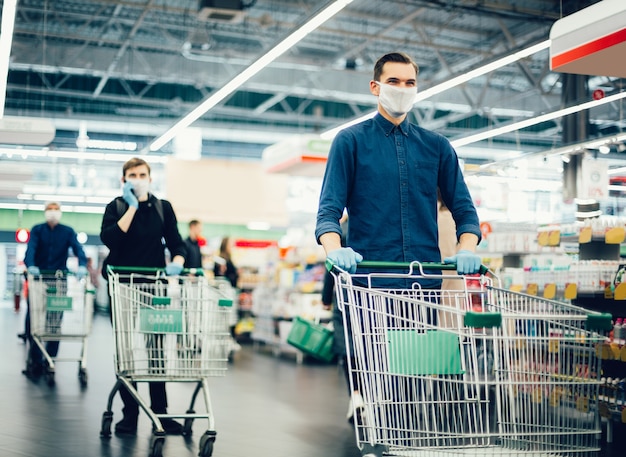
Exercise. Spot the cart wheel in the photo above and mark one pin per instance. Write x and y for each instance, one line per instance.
(107, 420)
(50, 378)
(157, 447)
(206, 444)
(82, 377)
(188, 423)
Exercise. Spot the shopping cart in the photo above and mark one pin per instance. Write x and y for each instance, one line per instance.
(172, 329)
(61, 309)
(468, 370)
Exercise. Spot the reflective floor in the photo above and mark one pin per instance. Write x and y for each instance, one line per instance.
(266, 406)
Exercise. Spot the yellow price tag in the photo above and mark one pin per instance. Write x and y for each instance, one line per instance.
(516, 288)
(537, 395)
(542, 238)
(620, 291)
(553, 346)
(608, 293)
(532, 289)
(585, 235)
(622, 354)
(554, 238)
(614, 235)
(555, 397)
(603, 351)
(549, 291)
(571, 291)
(582, 404)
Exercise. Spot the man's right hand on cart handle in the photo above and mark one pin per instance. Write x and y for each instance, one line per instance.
(345, 258)
(128, 195)
(34, 270)
(467, 262)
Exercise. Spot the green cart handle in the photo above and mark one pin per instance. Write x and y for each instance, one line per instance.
(153, 270)
(380, 265)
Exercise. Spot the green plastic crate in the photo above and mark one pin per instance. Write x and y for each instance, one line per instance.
(312, 339)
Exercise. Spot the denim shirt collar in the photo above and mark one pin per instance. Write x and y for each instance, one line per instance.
(388, 126)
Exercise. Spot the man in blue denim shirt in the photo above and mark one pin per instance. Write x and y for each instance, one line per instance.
(386, 172)
(47, 251)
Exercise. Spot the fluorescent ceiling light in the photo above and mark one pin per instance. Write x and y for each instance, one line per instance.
(249, 72)
(563, 151)
(490, 133)
(6, 39)
(456, 81)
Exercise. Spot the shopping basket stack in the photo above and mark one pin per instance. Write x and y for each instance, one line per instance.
(61, 309)
(170, 329)
(468, 370)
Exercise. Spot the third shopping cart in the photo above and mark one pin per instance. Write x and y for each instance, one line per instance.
(471, 369)
(172, 329)
(60, 309)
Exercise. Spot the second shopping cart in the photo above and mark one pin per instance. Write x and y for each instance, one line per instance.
(168, 329)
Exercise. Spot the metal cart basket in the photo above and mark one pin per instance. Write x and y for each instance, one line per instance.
(172, 329)
(61, 309)
(468, 370)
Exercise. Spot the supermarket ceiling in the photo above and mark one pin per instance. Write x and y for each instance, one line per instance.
(131, 69)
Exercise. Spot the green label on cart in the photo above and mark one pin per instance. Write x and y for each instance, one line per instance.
(432, 353)
(160, 320)
(55, 303)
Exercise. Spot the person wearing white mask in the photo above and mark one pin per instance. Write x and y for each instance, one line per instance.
(385, 171)
(47, 253)
(133, 228)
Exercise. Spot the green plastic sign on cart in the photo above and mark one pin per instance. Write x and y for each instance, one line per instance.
(160, 320)
(58, 303)
(434, 352)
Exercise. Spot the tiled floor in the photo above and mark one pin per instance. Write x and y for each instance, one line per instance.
(264, 407)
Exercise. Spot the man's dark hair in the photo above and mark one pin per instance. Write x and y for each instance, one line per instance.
(194, 222)
(392, 57)
(132, 163)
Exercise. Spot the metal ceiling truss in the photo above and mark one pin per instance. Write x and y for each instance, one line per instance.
(152, 61)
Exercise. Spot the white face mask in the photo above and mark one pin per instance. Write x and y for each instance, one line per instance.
(53, 216)
(397, 101)
(141, 187)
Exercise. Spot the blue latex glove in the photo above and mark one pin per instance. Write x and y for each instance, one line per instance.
(81, 272)
(34, 271)
(129, 196)
(173, 269)
(467, 262)
(345, 258)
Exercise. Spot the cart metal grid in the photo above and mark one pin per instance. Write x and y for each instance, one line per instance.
(470, 371)
(170, 329)
(61, 309)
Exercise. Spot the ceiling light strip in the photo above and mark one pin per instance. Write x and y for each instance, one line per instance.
(485, 135)
(6, 39)
(456, 81)
(249, 72)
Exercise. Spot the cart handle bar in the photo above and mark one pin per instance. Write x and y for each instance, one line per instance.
(148, 270)
(379, 264)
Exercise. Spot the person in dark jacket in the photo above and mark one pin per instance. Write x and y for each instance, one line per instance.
(134, 239)
(193, 259)
(47, 251)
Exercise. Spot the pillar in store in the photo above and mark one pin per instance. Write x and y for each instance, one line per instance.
(575, 129)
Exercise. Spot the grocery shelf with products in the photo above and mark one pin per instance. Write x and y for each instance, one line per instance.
(559, 261)
(580, 263)
(291, 287)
